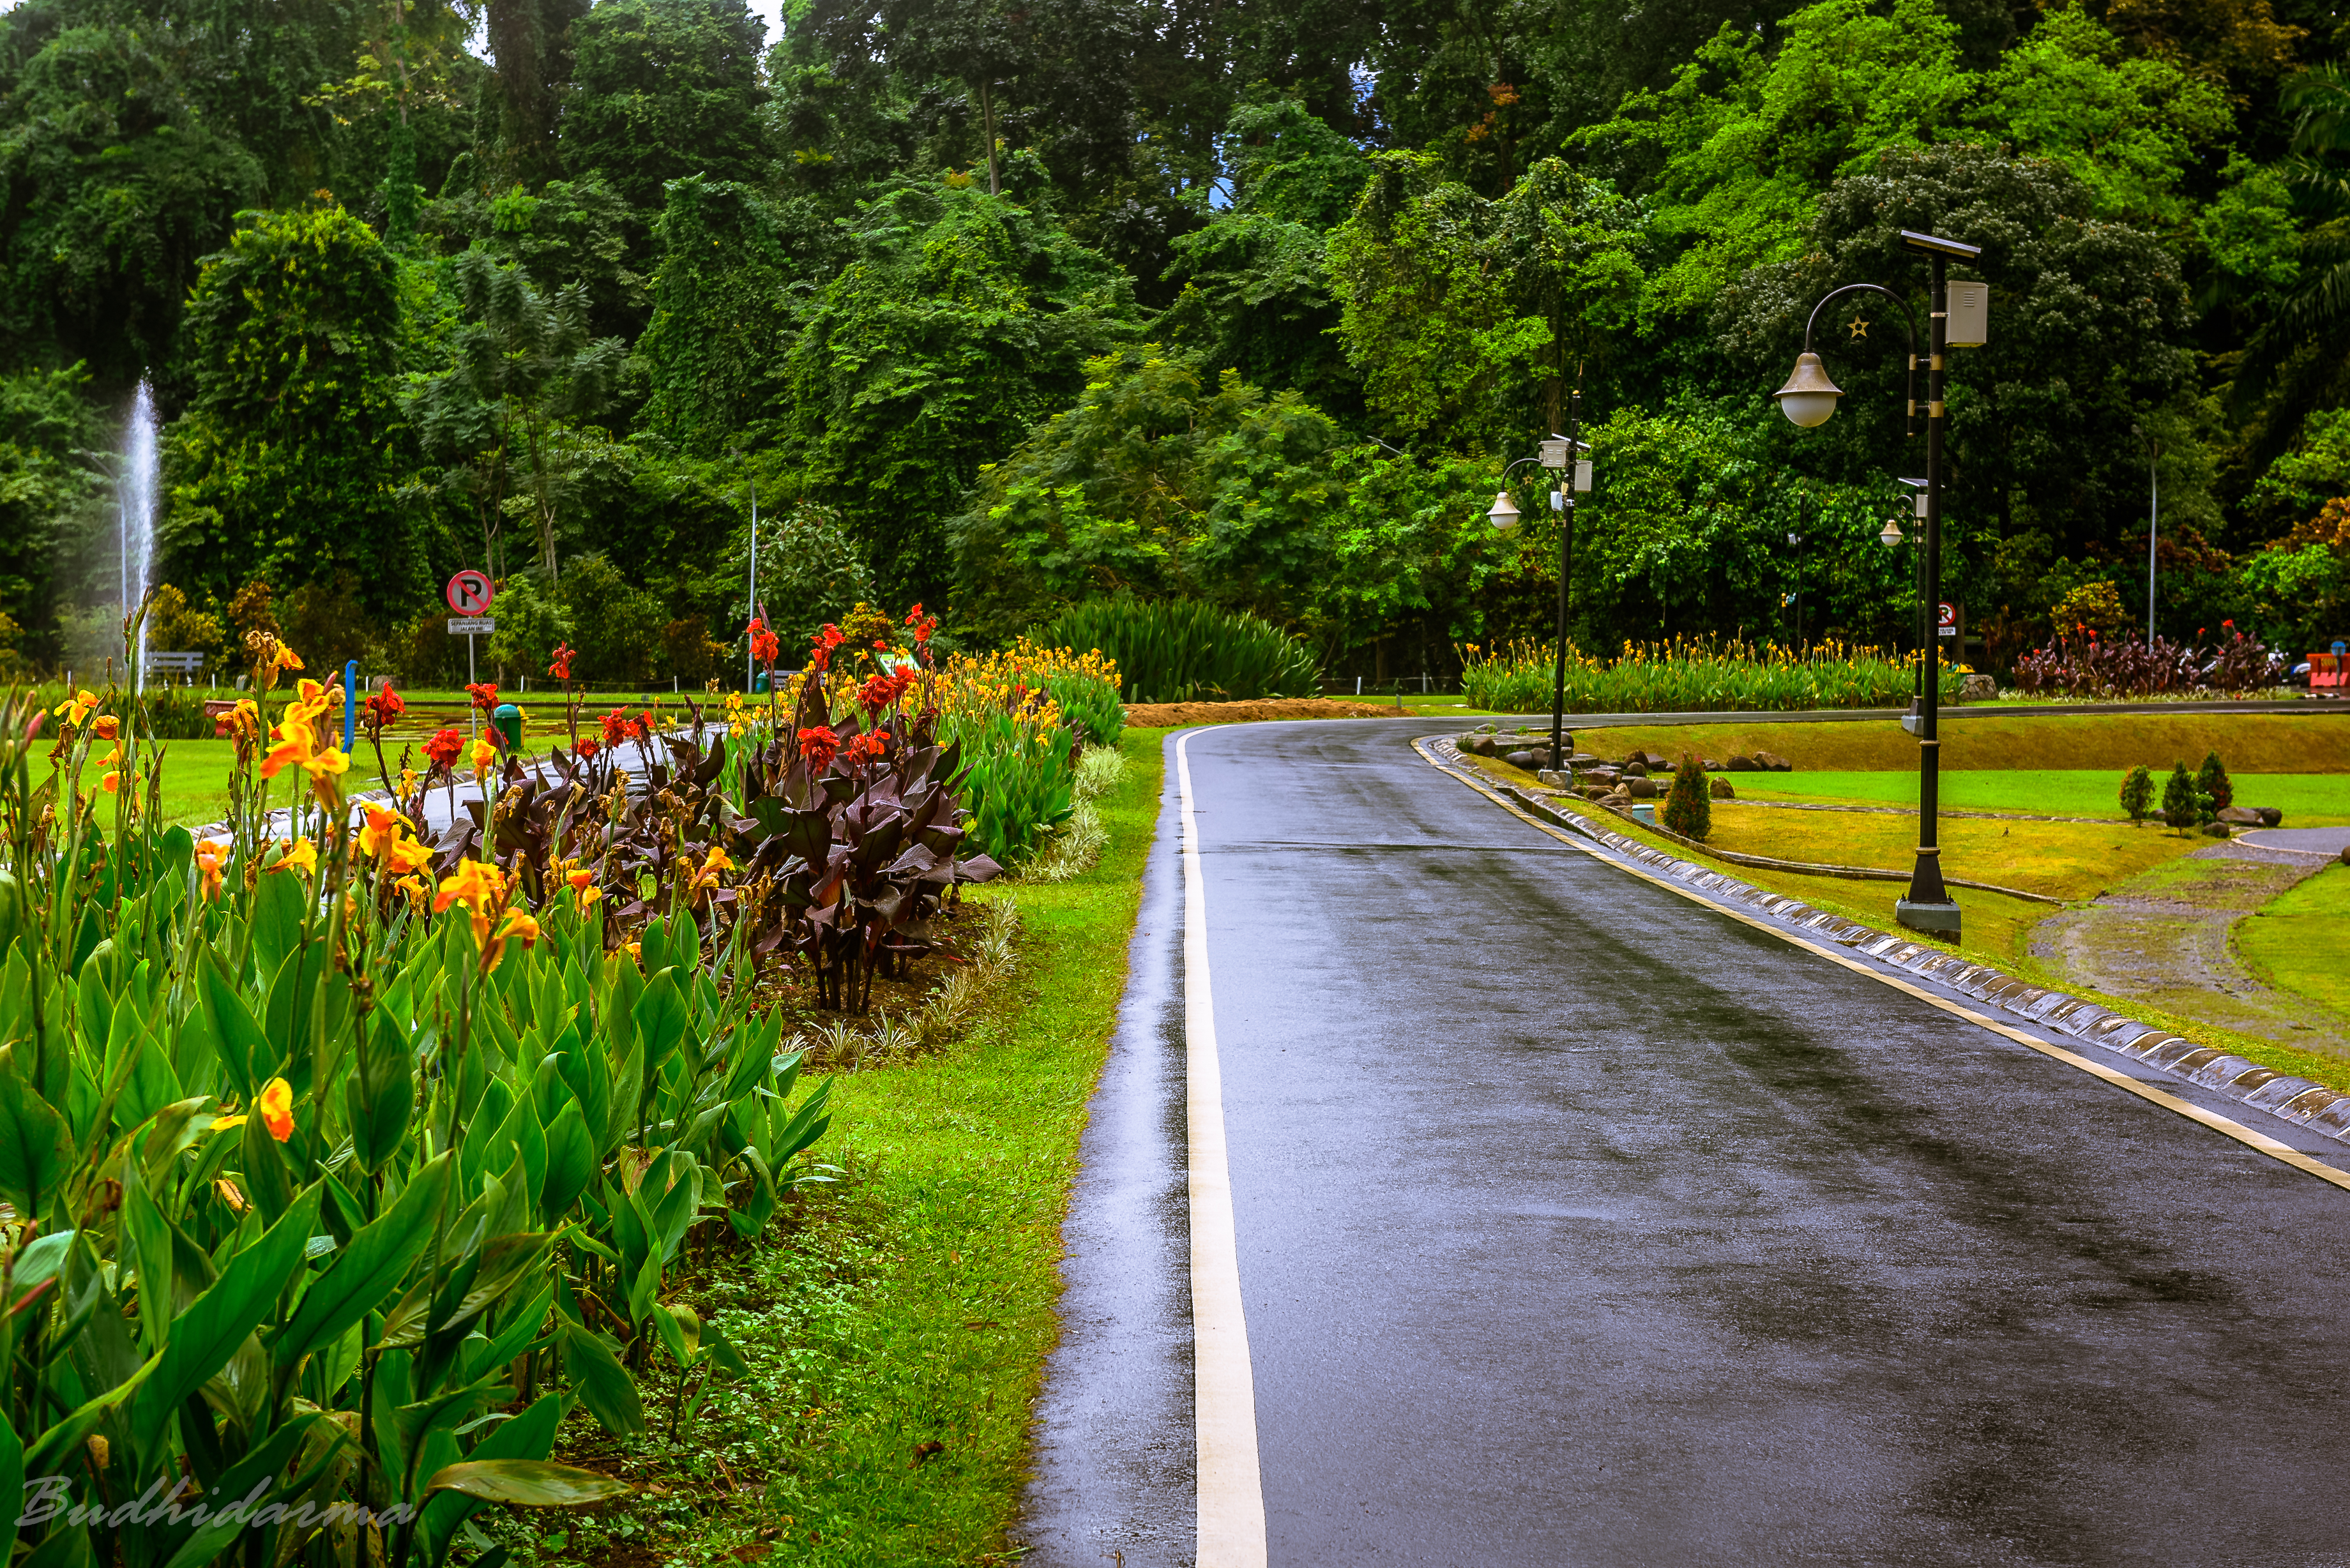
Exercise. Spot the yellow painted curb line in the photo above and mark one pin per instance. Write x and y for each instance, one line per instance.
(2260, 1142)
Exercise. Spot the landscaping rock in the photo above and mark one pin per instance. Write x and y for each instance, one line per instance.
(1642, 787)
(1773, 762)
(1521, 760)
(1653, 759)
(1636, 769)
(2270, 816)
(1722, 790)
(1604, 776)
(1743, 764)
(2346, 855)
(1554, 779)
(1594, 792)
(2215, 829)
(1586, 760)
(2241, 816)
(1978, 689)
(1710, 765)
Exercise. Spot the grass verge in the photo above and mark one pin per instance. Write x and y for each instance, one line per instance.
(896, 1326)
(2247, 743)
(1997, 930)
(2295, 941)
(2307, 800)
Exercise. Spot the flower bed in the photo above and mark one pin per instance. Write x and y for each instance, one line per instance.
(350, 1156)
(1694, 676)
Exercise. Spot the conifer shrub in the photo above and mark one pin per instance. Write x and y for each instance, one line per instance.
(1688, 808)
(2212, 780)
(2138, 793)
(2181, 798)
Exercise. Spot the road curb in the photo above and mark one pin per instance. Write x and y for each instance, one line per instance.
(2282, 1095)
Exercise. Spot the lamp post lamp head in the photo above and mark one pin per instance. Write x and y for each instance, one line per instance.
(1809, 397)
(1892, 533)
(1504, 514)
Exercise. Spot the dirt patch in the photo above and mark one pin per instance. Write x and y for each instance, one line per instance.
(1168, 716)
(2164, 938)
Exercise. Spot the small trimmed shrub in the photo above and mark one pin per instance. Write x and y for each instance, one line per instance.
(2138, 793)
(2212, 780)
(2180, 799)
(1688, 808)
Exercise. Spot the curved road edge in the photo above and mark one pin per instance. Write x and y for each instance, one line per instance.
(2299, 1102)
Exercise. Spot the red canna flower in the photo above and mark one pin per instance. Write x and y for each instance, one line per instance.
(817, 746)
(585, 748)
(561, 668)
(642, 727)
(878, 691)
(484, 694)
(443, 748)
(381, 708)
(616, 727)
(764, 644)
(820, 651)
(862, 747)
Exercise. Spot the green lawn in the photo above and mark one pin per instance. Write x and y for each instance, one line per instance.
(2307, 800)
(896, 1326)
(2297, 942)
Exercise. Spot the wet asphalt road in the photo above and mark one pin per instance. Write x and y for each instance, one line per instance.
(1580, 1224)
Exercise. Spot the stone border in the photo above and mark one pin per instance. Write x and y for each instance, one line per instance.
(2294, 1099)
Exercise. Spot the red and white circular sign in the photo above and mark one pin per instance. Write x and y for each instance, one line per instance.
(1948, 615)
(470, 592)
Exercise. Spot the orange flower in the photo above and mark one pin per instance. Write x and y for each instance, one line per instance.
(485, 758)
(583, 887)
(300, 855)
(382, 831)
(518, 924)
(212, 856)
(277, 1108)
(106, 725)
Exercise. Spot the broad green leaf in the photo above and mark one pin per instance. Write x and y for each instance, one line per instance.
(527, 1483)
(368, 1269)
(276, 921)
(243, 1299)
(243, 1048)
(12, 1485)
(34, 1155)
(571, 1162)
(601, 1383)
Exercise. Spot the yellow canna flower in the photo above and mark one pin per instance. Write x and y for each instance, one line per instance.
(76, 708)
(278, 1109)
(299, 855)
(485, 758)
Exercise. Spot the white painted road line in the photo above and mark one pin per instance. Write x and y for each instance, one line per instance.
(1230, 1491)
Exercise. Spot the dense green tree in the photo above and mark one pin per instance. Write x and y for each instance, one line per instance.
(1157, 481)
(716, 341)
(1255, 291)
(523, 370)
(662, 89)
(48, 425)
(2085, 340)
(287, 459)
(960, 320)
(1470, 319)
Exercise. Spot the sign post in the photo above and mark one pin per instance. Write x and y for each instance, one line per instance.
(468, 595)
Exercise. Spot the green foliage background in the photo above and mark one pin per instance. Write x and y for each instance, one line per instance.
(1017, 309)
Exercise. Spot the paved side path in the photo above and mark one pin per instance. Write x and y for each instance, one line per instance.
(1580, 1224)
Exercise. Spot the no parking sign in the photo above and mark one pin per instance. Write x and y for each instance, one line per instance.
(470, 592)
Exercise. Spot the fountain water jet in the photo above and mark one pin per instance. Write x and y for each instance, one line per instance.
(135, 487)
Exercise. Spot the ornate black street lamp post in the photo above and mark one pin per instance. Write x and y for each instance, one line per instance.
(1809, 399)
(1565, 456)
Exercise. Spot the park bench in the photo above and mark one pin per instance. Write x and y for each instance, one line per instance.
(186, 666)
